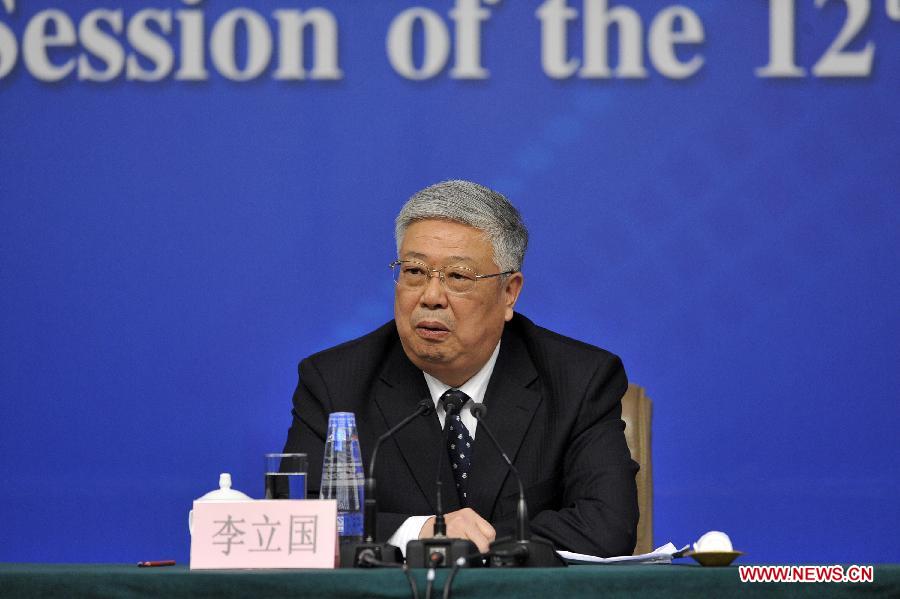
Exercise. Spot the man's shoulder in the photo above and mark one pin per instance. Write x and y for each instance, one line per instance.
(375, 343)
(569, 368)
(550, 347)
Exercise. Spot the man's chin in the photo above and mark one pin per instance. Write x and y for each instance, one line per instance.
(432, 355)
(422, 352)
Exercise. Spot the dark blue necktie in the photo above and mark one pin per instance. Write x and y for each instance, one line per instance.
(459, 445)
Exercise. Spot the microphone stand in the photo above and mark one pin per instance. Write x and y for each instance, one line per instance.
(369, 553)
(523, 551)
(441, 551)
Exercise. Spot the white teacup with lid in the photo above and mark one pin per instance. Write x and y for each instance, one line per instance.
(223, 493)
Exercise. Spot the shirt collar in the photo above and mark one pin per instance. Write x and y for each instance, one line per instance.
(475, 387)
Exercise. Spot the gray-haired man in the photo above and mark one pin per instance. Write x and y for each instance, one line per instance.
(554, 402)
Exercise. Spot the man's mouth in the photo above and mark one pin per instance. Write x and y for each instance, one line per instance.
(432, 329)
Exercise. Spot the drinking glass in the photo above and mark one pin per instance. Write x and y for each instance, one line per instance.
(286, 475)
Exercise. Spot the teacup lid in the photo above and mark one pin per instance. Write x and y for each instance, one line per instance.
(224, 492)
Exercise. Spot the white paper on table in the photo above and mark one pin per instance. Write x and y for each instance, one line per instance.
(660, 555)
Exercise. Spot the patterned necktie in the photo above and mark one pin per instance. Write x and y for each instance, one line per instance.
(459, 445)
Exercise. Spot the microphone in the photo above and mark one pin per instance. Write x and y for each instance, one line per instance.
(369, 553)
(440, 551)
(523, 551)
(452, 405)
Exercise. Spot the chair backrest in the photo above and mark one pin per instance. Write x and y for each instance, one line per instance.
(637, 412)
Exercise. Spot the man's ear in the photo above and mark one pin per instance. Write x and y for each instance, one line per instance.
(511, 290)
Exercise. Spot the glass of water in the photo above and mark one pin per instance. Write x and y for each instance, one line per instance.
(286, 475)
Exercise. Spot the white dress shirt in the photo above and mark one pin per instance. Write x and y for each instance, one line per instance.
(475, 388)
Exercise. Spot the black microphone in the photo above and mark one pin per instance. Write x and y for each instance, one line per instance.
(453, 405)
(369, 553)
(523, 551)
(440, 551)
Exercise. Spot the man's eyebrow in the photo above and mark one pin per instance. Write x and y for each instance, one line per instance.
(450, 259)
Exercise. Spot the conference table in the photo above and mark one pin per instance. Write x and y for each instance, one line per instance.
(659, 580)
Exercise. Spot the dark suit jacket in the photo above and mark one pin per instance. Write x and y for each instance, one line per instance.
(553, 402)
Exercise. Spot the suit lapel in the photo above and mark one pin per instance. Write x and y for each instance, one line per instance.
(511, 403)
(399, 389)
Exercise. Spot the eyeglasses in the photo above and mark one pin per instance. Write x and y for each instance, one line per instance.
(456, 279)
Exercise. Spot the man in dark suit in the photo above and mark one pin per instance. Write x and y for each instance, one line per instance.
(554, 402)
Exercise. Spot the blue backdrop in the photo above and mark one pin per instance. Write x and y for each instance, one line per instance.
(170, 249)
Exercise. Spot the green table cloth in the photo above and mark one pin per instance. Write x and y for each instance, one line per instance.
(677, 580)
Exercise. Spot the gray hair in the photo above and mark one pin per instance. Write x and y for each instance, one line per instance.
(474, 205)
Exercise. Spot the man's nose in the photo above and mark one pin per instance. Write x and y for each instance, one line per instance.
(434, 295)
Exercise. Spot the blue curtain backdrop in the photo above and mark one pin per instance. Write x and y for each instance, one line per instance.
(169, 250)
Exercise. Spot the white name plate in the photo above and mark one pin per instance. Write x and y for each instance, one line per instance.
(282, 533)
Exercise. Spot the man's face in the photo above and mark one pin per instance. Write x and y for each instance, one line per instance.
(452, 336)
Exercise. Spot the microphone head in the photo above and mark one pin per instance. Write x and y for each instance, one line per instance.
(426, 405)
(479, 410)
(454, 402)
